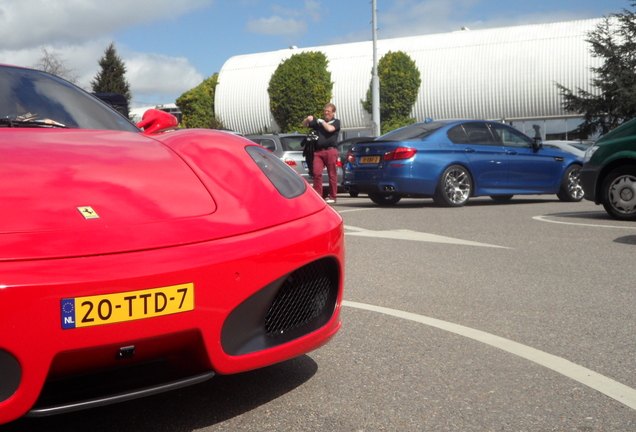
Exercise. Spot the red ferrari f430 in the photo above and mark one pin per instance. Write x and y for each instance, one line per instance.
(141, 258)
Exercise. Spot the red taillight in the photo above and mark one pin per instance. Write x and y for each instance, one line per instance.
(351, 158)
(290, 162)
(339, 163)
(400, 153)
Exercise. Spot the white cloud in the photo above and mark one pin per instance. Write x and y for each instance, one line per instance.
(315, 10)
(408, 18)
(154, 77)
(285, 22)
(149, 72)
(28, 23)
(415, 17)
(78, 31)
(276, 25)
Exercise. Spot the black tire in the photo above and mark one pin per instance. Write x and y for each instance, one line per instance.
(501, 198)
(454, 188)
(571, 189)
(385, 199)
(354, 193)
(619, 193)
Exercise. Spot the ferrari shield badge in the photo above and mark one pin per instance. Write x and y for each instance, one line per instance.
(88, 212)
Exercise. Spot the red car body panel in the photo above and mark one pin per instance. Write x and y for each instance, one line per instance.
(183, 207)
(138, 209)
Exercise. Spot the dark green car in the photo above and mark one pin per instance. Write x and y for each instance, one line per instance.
(608, 175)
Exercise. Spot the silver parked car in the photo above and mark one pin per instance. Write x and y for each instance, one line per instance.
(575, 147)
(288, 148)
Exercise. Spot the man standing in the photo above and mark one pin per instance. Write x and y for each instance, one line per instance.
(326, 153)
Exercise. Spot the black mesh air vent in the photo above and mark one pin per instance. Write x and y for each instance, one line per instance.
(290, 307)
(300, 299)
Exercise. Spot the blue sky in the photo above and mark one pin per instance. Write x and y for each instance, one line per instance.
(170, 46)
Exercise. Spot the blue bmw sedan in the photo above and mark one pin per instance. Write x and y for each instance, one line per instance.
(451, 161)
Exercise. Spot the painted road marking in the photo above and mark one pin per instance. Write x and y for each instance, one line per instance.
(404, 234)
(543, 219)
(620, 392)
(355, 210)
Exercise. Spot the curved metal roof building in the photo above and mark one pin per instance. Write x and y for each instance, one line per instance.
(503, 74)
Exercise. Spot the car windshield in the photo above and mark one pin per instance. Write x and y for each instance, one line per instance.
(580, 146)
(412, 132)
(30, 98)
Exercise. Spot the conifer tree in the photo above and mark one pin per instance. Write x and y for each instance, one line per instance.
(614, 101)
(111, 78)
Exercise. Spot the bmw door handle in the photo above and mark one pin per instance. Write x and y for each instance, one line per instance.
(511, 152)
(469, 150)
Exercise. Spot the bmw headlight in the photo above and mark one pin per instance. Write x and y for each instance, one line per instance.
(589, 152)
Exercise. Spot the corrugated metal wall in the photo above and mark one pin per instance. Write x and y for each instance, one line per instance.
(505, 73)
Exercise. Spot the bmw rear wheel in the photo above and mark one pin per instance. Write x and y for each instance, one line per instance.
(619, 193)
(385, 199)
(454, 187)
(571, 189)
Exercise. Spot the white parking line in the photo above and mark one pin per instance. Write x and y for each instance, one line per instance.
(543, 219)
(620, 392)
(355, 210)
(404, 234)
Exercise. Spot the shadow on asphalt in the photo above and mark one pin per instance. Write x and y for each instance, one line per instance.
(362, 201)
(187, 409)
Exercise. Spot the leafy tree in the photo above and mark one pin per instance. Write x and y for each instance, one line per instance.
(55, 64)
(399, 84)
(613, 40)
(111, 78)
(300, 86)
(197, 105)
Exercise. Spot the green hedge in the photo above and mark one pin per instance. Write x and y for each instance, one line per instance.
(197, 105)
(399, 85)
(300, 86)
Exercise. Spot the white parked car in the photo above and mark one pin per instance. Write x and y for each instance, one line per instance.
(575, 147)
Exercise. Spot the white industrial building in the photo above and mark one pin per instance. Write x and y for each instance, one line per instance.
(505, 74)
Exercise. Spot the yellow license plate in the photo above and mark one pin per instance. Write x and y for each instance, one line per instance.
(369, 159)
(126, 306)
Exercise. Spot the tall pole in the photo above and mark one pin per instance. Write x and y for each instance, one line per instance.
(375, 80)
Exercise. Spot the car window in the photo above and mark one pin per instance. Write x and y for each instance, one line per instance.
(511, 137)
(478, 134)
(29, 95)
(292, 143)
(268, 143)
(582, 147)
(458, 135)
(552, 146)
(413, 132)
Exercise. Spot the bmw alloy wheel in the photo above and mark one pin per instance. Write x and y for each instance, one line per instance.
(571, 189)
(454, 187)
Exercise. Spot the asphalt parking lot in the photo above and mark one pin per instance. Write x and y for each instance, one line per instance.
(491, 317)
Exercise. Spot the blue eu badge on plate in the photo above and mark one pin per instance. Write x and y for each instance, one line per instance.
(68, 313)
